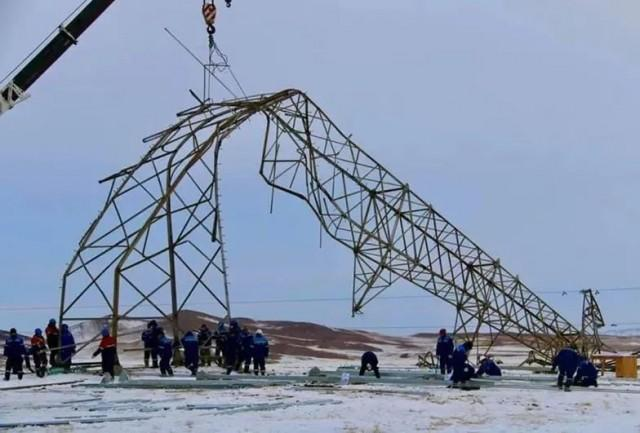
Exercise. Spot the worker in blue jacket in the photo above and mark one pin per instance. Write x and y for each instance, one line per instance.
(444, 351)
(587, 374)
(246, 348)
(260, 352)
(165, 351)
(566, 361)
(15, 352)
(191, 352)
(67, 347)
(462, 370)
(488, 367)
(150, 340)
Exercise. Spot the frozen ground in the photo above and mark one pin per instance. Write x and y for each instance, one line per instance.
(347, 410)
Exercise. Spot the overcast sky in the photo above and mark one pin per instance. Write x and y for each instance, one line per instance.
(516, 120)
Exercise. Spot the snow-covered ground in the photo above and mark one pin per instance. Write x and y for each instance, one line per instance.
(298, 409)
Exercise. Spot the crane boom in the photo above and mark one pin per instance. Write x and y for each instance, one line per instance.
(67, 35)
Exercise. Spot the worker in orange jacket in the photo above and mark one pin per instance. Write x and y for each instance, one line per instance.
(108, 351)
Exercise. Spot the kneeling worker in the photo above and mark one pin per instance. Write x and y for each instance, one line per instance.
(489, 367)
(369, 361)
(587, 374)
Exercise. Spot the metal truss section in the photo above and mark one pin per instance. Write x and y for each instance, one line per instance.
(592, 321)
(393, 233)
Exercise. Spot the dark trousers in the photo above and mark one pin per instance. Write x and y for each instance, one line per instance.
(565, 377)
(40, 362)
(259, 363)
(191, 362)
(586, 381)
(205, 356)
(446, 364)
(363, 368)
(247, 363)
(151, 352)
(462, 373)
(165, 366)
(53, 353)
(13, 365)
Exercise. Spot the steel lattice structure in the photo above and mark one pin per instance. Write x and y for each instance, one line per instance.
(393, 233)
(592, 321)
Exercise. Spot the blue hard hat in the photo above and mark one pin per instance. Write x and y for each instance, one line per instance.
(105, 332)
(38, 331)
(52, 321)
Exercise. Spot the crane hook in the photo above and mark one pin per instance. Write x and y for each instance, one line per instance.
(209, 14)
(228, 3)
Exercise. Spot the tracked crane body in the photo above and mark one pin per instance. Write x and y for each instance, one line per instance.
(393, 233)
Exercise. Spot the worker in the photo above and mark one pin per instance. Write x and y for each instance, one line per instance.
(488, 367)
(369, 361)
(165, 351)
(462, 370)
(246, 348)
(220, 336)
(444, 351)
(191, 352)
(567, 362)
(150, 340)
(231, 349)
(204, 341)
(38, 352)
(260, 352)
(15, 352)
(587, 374)
(67, 347)
(109, 352)
(53, 341)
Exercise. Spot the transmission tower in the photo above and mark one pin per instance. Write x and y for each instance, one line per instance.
(157, 206)
(592, 321)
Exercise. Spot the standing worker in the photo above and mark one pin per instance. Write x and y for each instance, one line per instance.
(67, 348)
(165, 350)
(109, 353)
(444, 351)
(53, 341)
(567, 361)
(369, 361)
(15, 352)
(220, 336)
(150, 339)
(260, 352)
(246, 344)
(39, 352)
(462, 370)
(231, 349)
(204, 341)
(191, 352)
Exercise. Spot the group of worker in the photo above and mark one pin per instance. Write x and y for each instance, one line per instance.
(573, 368)
(235, 348)
(58, 342)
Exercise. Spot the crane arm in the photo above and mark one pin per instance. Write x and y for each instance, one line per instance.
(67, 35)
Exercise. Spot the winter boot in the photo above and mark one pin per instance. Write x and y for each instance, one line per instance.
(20, 374)
(7, 375)
(567, 385)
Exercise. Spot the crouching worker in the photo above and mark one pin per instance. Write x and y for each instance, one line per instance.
(260, 352)
(369, 361)
(165, 350)
(38, 352)
(15, 352)
(567, 362)
(488, 367)
(587, 374)
(109, 353)
(462, 370)
(191, 352)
